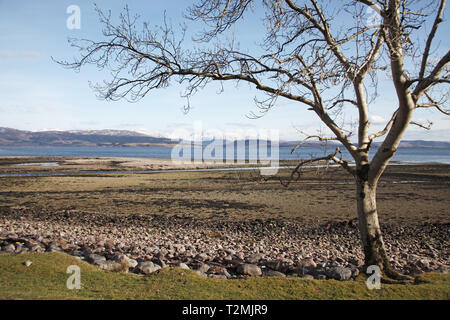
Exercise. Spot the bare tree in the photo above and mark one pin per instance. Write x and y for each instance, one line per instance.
(311, 56)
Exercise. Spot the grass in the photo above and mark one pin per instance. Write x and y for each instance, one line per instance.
(46, 279)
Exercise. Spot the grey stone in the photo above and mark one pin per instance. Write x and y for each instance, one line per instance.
(132, 263)
(124, 259)
(201, 257)
(308, 276)
(200, 273)
(273, 273)
(147, 267)
(230, 251)
(94, 258)
(249, 270)
(254, 258)
(225, 273)
(340, 273)
(183, 266)
(37, 248)
(308, 263)
(217, 276)
(442, 269)
(27, 263)
(53, 248)
(203, 267)
(10, 248)
(111, 265)
(160, 262)
(280, 265)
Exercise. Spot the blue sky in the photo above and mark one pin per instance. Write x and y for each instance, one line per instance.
(37, 94)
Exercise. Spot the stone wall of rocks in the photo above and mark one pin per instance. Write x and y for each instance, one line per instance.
(219, 249)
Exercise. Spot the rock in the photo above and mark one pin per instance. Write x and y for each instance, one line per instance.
(10, 248)
(54, 248)
(340, 273)
(240, 256)
(200, 273)
(147, 267)
(27, 263)
(95, 258)
(183, 266)
(217, 276)
(308, 263)
(37, 248)
(111, 265)
(355, 272)
(124, 259)
(321, 277)
(249, 270)
(273, 273)
(160, 262)
(442, 269)
(308, 276)
(203, 267)
(280, 265)
(254, 258)
(225, 273)
(230, 251)
(201, 257)
(132, 263)
(422, 264)
(109, 244)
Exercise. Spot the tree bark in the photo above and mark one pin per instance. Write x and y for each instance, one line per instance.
(369, 227)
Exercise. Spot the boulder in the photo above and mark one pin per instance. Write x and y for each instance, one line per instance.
(249, 270)
(340, 273)
(10, 248)
(203, 267)
(273, 273)
(147, 267)
(254, 258)
(201, 257)
(111, 265)
(308, 263)
(183, 266)
(280, 265)
(95, 258)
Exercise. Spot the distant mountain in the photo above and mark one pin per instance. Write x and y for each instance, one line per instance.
(424, 144)
(124, 138)
(90, 138)
(403, 144)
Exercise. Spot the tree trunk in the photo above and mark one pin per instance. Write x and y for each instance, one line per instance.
(369, 227)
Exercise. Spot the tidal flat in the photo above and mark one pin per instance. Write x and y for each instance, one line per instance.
(219, 222)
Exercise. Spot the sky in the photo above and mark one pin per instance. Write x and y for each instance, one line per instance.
(37, 94)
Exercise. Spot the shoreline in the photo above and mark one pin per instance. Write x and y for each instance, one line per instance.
(17, 166)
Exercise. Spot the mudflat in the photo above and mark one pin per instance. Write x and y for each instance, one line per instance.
(407, 194)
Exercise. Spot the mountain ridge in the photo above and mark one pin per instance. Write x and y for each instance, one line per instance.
(127, 138)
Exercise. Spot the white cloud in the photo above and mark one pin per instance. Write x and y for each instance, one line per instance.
(376, 119)
(22, 54)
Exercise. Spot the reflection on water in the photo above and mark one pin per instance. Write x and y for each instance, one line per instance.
(41, 164)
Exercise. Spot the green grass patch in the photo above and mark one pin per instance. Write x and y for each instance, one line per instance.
(46, 279)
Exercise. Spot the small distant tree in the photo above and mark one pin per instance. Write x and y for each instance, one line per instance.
(323, 57)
